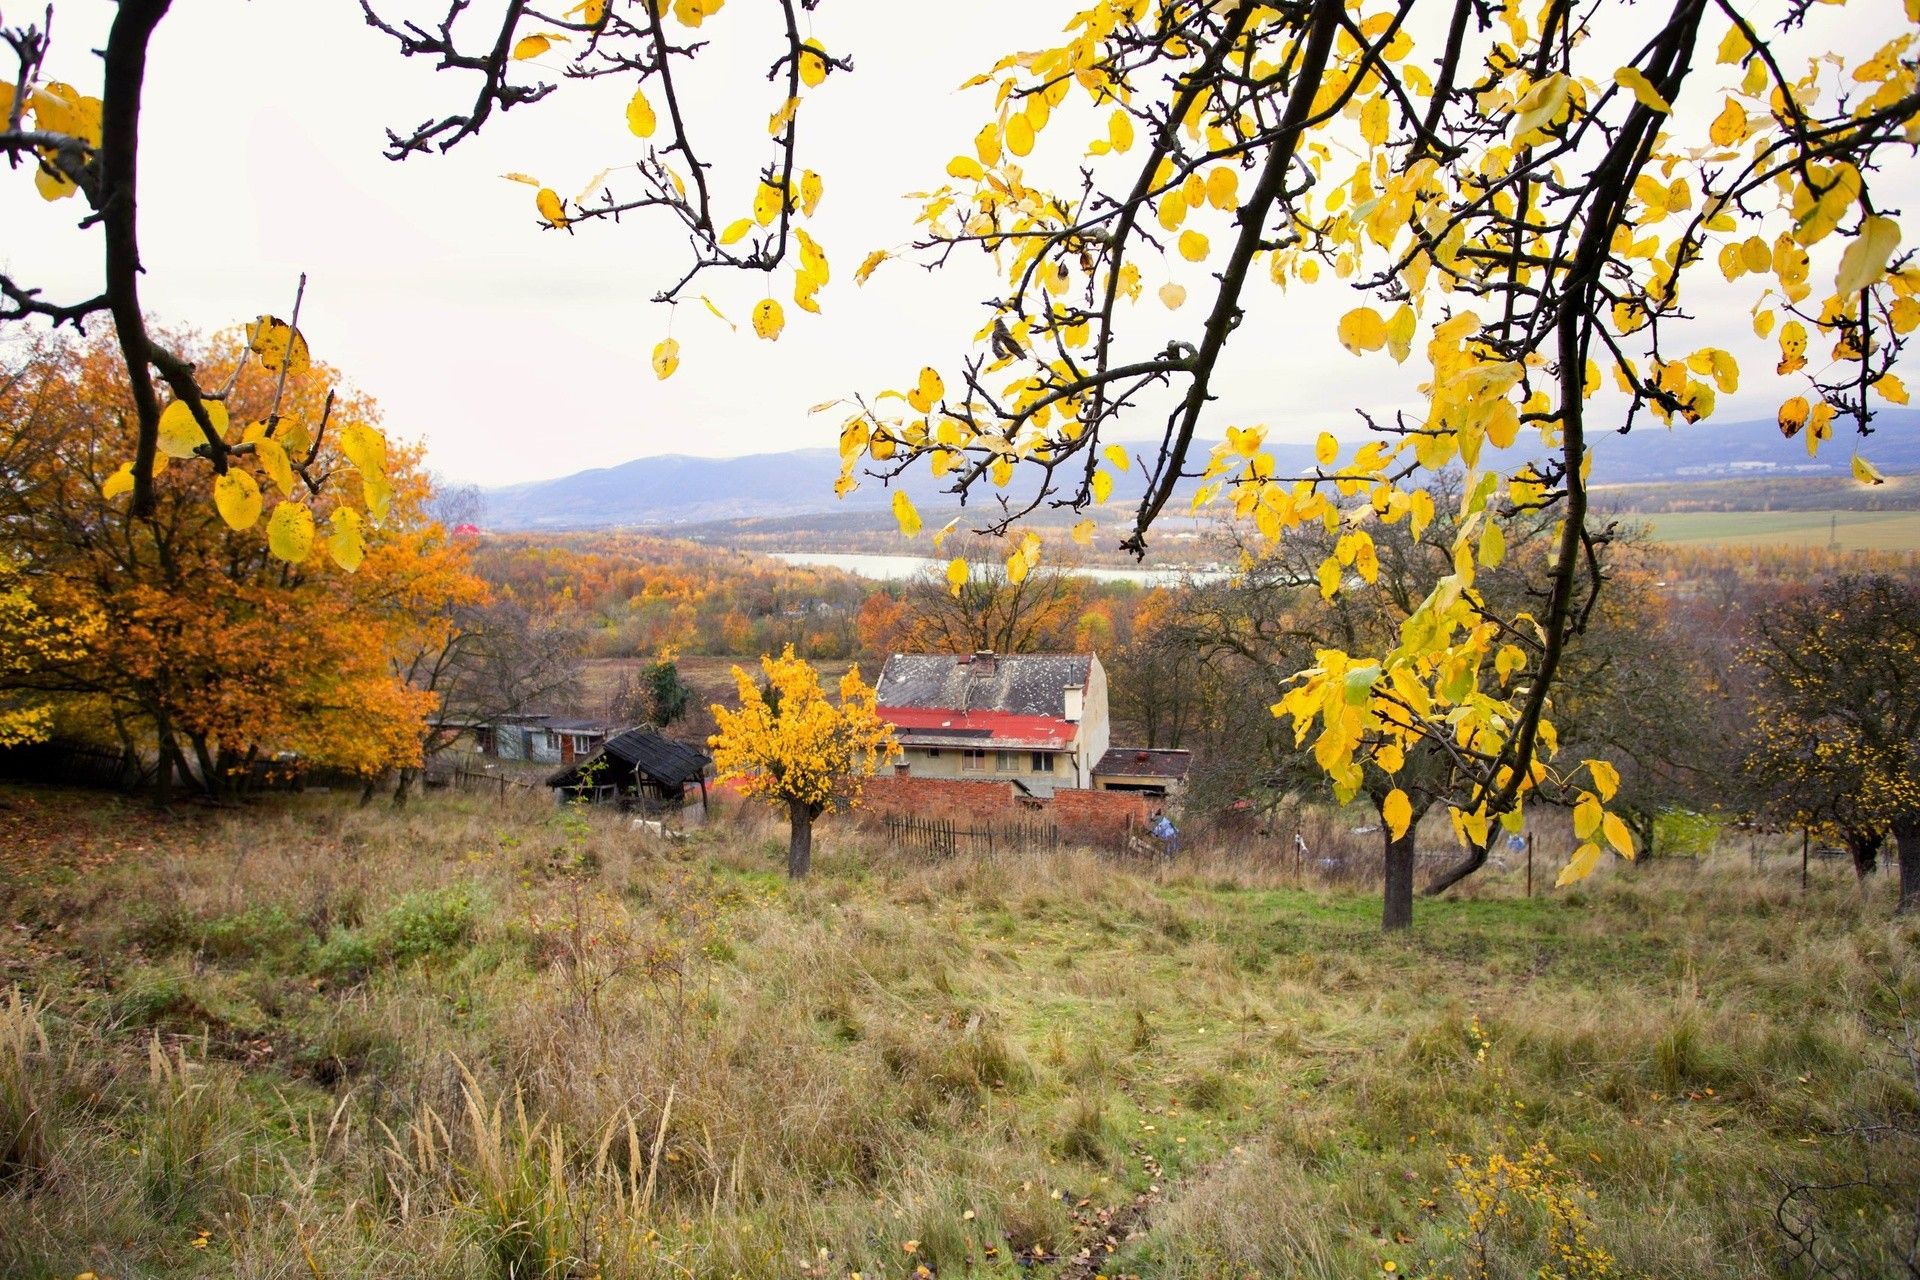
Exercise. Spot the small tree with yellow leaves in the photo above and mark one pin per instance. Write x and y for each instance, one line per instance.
(790, 745)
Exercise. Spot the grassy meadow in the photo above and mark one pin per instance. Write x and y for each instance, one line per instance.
(306, 1039)
(1846, 530)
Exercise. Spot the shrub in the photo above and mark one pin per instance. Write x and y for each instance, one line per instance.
(428, 923)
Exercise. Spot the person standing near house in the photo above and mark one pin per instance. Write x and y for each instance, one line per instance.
(1166, 833)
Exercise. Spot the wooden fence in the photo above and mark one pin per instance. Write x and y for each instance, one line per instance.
(942, 837)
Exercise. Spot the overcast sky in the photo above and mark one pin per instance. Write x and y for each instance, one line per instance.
(518, 353)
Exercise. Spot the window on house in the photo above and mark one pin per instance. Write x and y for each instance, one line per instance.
(1006, 761)
(973, 761)
(933, 753)
(1043, 762)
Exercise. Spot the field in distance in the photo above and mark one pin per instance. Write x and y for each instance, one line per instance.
(1847, 530)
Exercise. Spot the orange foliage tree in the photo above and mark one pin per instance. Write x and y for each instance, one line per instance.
(787, 743)
(215, 652)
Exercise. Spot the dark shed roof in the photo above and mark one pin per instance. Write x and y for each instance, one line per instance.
(661, 760)
(1142, 762)
(1025, 684)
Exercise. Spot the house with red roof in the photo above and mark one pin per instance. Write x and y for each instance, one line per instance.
(1037, 720)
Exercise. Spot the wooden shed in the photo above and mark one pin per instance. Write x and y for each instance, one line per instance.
(637, 769)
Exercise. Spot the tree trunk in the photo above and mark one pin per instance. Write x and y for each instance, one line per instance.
(799, 840)
(401, 788)
(1397, 910)
(1865, 848)
(1906, 839)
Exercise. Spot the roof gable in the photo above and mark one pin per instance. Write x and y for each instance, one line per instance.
(1024, 684)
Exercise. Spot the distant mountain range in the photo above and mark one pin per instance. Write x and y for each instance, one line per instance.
(673, 489)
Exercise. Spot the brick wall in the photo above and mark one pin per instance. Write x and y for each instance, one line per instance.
(942, 797)
(1099, 815)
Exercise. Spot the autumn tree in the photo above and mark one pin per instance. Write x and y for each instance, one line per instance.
(213, 652)
(790, 745)
(978, 603)
(1283, 614)
(1836, 717)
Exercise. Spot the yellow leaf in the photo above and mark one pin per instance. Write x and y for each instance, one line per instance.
(365, 448)
(548, 203)
(1117, 455)
(529, 179)
(927, 392)
(1606, 778)
(666, 358)
(1397, 811)
(530, 47)
(768, 319)
(275, 341)
(237, 498)
(813, 68)
(1223, 188)
(1193, 246)
(1172, 295)
(1865, 472)
(290, 532)
(1362, 329)
(1865, 260)
(274, 461)
(1325, 449)
(1634, 80)
(640, 118)
(767, 203)
(870, 265)
(1083, 532)
(1793, 347)
(811, 189)
(1400, 331)
(1019, 133)
(347, 544)
(1617, 834)
(1730, 126)
(736, 230)
(1586, 817)
(1102, 484)
(904, 512)
(1891, 389)
(965, 168)
(956, 574)
(1733, 46)
(1580, 866)
(1120, 130)
(121, 481)
(180, 435)
(1329, 576)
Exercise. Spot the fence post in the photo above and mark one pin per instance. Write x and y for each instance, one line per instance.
(1529, 864)
(1806, 839)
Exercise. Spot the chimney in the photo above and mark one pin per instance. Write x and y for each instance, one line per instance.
(1075, 697)
(983, 662)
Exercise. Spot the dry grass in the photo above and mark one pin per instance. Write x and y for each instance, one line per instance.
(460, 1040)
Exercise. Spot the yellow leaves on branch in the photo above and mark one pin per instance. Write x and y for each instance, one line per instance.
(551, 208)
